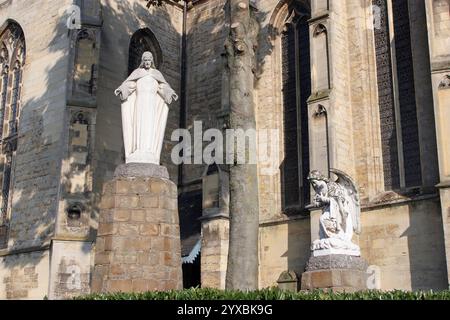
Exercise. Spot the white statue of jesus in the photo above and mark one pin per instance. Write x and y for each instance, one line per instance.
(145, 98)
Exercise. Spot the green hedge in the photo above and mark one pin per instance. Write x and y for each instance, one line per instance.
(270, 294)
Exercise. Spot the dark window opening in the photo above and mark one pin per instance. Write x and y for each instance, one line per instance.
(401, 123)
(192, 274)
(190, 211)
(296, 81)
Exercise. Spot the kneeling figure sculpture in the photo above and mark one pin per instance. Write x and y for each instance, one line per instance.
(340, 217)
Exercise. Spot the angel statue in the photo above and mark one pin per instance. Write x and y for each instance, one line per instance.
(145, 97)
(340, 217)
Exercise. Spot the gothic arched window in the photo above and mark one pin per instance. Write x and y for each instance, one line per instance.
(12, 61)
(396, 95)
(296, 86)
(141, 41)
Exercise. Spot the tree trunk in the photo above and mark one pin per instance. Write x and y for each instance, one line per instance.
(242, 271)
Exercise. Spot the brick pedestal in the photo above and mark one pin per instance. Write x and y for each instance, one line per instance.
(336, 272)
(138, 240)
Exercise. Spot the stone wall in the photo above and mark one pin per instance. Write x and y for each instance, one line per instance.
(24, 276)
(38, 159)
(340, 110)
(364, 99)
(406, 242)
(207, 30)
(37, 167)
(283, 246)
(269, 109)
(355, 148)
(439, 45)
(70, 269)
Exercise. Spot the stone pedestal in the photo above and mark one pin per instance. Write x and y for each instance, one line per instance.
(215, 238)
(138, 240)
(336, 272)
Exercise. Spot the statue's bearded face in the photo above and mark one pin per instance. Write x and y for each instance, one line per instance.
(147, 62)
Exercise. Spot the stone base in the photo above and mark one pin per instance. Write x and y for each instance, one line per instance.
(336, 272)
(138, 242)
(141, 170)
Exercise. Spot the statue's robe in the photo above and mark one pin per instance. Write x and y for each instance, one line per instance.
(336, 225)
(145, 98)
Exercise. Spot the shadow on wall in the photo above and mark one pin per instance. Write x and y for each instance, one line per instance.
(299, 245)
(43, 141)
(426, 246)
(37, 164)
(35, 177)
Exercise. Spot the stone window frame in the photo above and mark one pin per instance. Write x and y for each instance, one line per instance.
(283, 14)
(12, 63)
(402, 183)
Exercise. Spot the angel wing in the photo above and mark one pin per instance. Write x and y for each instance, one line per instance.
(349, 185)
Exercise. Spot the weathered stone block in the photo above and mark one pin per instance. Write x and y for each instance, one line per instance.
(108, 202)
(158, 187)
(127, 201)
(162, 215)
(117, 270)
(322, 279)
(168, 203)
(148, 202)
(138, 216)
(120, 286)
(103, 258)
(121, 215)
(108, 243)
(143, 259)
(128, 229)
(336, 272)
(149, 230)
(122, 187)
(106, 229)
(140, 285)
(139, 186)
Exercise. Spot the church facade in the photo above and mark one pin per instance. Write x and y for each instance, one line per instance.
(362, 86)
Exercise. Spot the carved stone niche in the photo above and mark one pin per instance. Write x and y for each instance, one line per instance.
(216, 196)
(321, 78)
(77, 173)
(84, 75)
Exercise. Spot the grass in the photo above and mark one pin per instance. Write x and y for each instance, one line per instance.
(271, 295)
